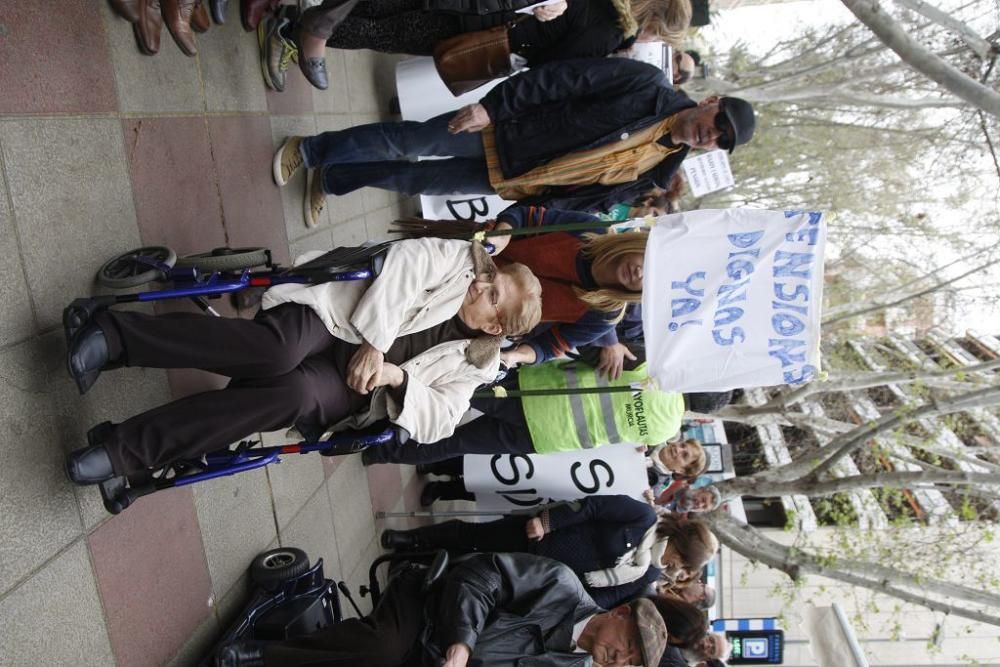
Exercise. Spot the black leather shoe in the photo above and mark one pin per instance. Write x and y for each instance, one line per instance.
(241, 654)
(218, 9)
(424, 469)
(87, 356)
(399, 540)
(430, 493)
(90, 465)
(78, 313)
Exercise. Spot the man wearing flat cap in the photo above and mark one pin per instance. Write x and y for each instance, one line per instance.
(581, 134)
(491, 610)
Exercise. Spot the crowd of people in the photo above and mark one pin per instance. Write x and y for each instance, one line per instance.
(574, 136)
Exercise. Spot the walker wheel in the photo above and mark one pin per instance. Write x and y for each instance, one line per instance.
(227, 259)
(126, 270)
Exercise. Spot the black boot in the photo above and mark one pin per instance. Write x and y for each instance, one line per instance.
(401, 540)
(430, 494)
(241, 654)
(87, 356)
(89, 465)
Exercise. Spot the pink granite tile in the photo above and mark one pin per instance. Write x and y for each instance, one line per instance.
(385, 486)
(149, 563)
(177, 200)
(251, 203)
(54, 59)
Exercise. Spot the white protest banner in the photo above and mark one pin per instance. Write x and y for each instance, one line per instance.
(519, 481)
(731, 298)
(708, 172)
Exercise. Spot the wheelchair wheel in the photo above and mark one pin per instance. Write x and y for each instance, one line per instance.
(126, 271)
(271, 568)
(227, 259)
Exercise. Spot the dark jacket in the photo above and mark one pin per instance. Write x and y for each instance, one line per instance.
(591, 534)
(513, 610)
(673, 657)
(587, 29)
(574, 105)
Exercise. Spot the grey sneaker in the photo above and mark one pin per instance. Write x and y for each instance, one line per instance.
(276, 51)
(315, 199)
(287, 161)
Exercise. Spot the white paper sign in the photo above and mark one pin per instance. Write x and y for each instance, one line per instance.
(731, 298)
(520, 481)
(708, 172)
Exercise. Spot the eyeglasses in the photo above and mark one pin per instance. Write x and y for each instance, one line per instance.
(727, 135)
(493, 294)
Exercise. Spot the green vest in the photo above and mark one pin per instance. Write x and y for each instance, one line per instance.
(570, 422)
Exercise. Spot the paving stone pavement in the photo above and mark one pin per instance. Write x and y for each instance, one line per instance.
(103, 149)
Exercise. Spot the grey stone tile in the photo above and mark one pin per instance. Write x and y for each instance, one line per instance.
(350, 232)
(379, 221)
(18, 321)
(336, 98)
(166, 82)
(72, 211)
(230, 66)
(40, 514)
(291, 194)
(293, 481)
(353, 520)
(312, 531)
(55, 618)
(237, 523)
(350, 205)
(321, 240)
(371, 79)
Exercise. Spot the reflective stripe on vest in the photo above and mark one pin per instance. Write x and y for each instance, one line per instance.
(579, 414)
(608, 411)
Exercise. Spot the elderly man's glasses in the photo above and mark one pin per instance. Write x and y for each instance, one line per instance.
(726, 133)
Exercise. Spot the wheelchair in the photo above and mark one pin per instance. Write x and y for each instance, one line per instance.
(292, 598)
(201, 277)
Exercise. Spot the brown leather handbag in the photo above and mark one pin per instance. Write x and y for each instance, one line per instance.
(472, 59)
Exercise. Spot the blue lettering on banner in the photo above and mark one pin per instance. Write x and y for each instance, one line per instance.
(739, 267)
(792, 271)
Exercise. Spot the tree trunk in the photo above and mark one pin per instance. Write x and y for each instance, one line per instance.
(752, 544)
(920, 59)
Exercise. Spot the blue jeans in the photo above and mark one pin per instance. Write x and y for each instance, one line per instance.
(382, 155)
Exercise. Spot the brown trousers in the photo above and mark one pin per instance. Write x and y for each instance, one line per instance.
(283, 375)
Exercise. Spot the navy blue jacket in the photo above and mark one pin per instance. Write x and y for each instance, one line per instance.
(592, 534)
(574, 105)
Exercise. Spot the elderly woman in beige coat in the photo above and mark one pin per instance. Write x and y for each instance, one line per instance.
(410, 345)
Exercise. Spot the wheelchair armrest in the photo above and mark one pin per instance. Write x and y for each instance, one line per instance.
(435, 570)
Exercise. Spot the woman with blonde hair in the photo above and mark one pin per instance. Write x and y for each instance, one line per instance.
(588, 279)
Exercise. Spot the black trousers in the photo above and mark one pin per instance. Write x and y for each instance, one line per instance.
(502, 429)
(503, 535)
(283, 374)
(386, 638)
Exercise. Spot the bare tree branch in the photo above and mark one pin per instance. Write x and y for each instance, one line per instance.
(978, 45)
(910, 51)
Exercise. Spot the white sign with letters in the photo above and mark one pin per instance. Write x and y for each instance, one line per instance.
(520, 481)
(708, 172)
(732, 298)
